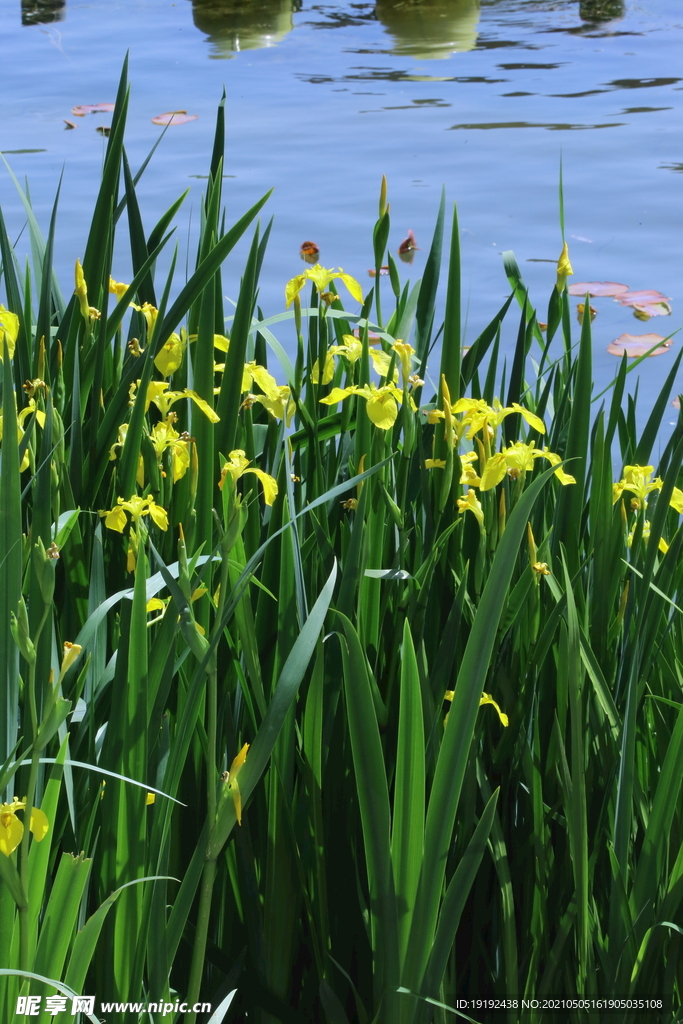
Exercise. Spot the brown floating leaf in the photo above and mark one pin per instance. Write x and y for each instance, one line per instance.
(597, 289)
(309, 252)
(174, 117)
(92, 108)
(647, 309)
(69, 124)
(383, 271)
(642, 298)
(373, 338)
(103, 129)
(638, 344)
(580, 310)
(408, 244)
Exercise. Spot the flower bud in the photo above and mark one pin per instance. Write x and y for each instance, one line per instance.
(20, 633)
(71, 653)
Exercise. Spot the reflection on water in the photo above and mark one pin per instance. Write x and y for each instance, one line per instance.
(234, 25)
(429, 29)
(601, 10)
(34, 12)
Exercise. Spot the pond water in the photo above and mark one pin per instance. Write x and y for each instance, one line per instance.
(482, 98)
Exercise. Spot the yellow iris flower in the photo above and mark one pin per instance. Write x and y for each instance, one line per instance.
(382, 403)
(158, 394)
(12, 829)
(117, 289)
(638, 481)
(321, 278)
(470, 503)
(486, 698)
(516, 460)
(22, 416)
(136, 507)
(237, 466)
(477, 415)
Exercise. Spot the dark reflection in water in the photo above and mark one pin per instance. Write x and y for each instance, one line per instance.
(496, 125)
(430, 28)
(35, 12)
(601, 10)
(235, 25)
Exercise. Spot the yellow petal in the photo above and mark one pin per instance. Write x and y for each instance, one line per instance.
(328, 370)
(9, 329)
(435, 464)
(155, 604)
(353, 286)
(381, 361)
(39, 824)
(269, 485)
(382, 410)
(159, 515)
(238, 762)
(486, 698)
(117, 289)
(170, 357)
(11, 830)
(676, 500)
(494, 471)
(201, 404)
(265, 381)
(221, 342)
(293, 288)
(534, 421)
(150, 798)
(338, 395)
(115, 520)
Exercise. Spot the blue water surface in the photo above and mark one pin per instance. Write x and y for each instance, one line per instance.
(322, 100)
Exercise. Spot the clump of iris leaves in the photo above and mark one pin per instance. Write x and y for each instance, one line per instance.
(354, 693)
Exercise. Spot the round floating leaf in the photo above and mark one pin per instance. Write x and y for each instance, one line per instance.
(174, 117)
(92, 108)
(642, 298)
(643, 311)
(638, 345)
(597, 289)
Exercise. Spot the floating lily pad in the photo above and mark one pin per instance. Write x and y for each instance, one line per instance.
(373, 337)
(597, 289)
(645, 310)
(174, 117)
(69, 124)
(383, 271)
(676, 403)
(103, 129)
(92, 108)
(638, 345)
(642, 298)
